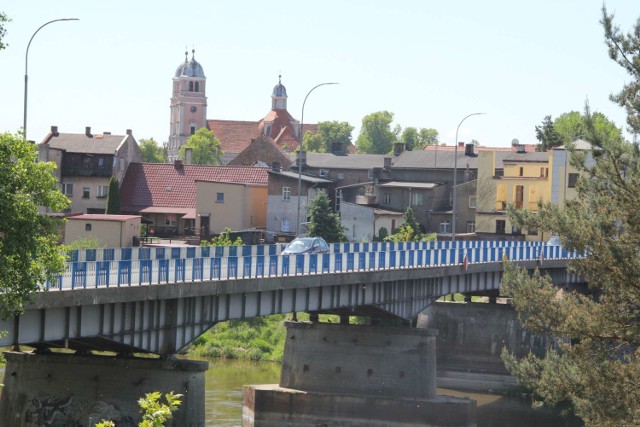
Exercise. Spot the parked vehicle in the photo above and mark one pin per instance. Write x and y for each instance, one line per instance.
(554, 241)
(306, 245)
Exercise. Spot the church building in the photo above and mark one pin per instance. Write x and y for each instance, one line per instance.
(189, 112)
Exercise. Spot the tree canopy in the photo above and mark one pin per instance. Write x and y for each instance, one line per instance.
(4, 19)
(113, 197)
(415, 139)
(205, 148)
(324, 222)
(376, 135)
(328, 133)
(410, 231)
(151, 152)
(596, 365)
(29, 250)
(570, 126)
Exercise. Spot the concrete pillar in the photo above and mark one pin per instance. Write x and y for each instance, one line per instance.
(65, 389)
(354, 375)
(313, 317)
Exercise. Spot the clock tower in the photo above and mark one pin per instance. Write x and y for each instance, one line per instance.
(188, 104)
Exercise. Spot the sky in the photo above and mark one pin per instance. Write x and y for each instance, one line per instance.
(431, 63)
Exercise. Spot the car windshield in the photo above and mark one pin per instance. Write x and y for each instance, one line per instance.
(299, 245)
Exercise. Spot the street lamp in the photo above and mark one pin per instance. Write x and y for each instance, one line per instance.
(26, 78)
(300, 135)
(455, 176)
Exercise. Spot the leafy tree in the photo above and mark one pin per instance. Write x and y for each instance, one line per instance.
(4, 19)
(205, 148)
(383, 233)
(324, 221)
(429, 136)
(328, 133)
(154, 412)
(410, 138)
(596, 366)
(151, 152)
(113, 197)
(547, 135)
(376, 136)
(223, 239)
(29, 250)
(410, 231)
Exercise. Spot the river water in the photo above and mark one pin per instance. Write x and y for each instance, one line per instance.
(225, 378)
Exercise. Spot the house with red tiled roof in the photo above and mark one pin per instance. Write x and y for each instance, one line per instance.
(262, 151)
(172, 199)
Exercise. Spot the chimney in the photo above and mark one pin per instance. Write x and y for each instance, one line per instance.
(302, 158)
(276, 167)
(520, 148)
(87, 132)
(387, 163)
(337, 148)
(129, 132)
(54, 131)
(177, 164)
(398, 148)
(188, 152)
(460, 144)
(468, 150)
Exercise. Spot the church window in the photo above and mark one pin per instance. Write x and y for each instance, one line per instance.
(190, 86)
(197, 87)
(192, 130)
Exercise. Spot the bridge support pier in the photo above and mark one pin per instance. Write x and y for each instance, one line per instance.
(66, 389)
(353, 375)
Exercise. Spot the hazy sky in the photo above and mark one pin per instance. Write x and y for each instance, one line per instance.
(429, 62)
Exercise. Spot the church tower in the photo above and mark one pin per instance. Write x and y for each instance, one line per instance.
(188, 104)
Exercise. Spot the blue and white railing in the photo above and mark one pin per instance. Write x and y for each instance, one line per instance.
(254, 262)
(184, 251)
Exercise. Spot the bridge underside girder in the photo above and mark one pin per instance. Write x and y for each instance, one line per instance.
(164, 319)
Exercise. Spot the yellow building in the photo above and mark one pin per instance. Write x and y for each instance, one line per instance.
(111, 231)
(522, 179)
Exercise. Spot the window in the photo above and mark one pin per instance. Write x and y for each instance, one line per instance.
(451, 198)
(338, 199)
(387, 198)
(521, 173)
(573, 180)
(370, 174)
(67, 189)
(500, 226)
(197, 87)
(515, 230)
(284, 225)
(445, 227)
(286, 193)
(340, 176)
(532, 231)
(471, 226)
(190, 86)
(192, 129)
(417, 199)
(102, 191)
(323, 173)
(87, 227)
(100, 161)
(171, 220)
(86, 193)
(472, 202)
(219, 197)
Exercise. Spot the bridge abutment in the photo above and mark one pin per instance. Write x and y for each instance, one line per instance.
(66, 389)
(352, 375)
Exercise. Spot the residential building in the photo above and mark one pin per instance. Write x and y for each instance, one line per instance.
(167, 196)
(86, 162)
(363, 223)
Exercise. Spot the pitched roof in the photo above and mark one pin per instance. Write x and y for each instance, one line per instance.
(165, 185)
(102, 217)
(234, 135)
(437, 159)
(306, 178)
(351, 161)
(261, 150)
(81, 143)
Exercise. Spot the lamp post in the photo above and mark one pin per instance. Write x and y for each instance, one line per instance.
(26, 62)
(455, 176)
(300, 136)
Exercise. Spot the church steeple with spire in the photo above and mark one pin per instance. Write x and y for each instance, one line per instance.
(279, 96)
(188, 103)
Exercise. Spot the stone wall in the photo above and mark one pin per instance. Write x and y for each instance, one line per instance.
(70, 390)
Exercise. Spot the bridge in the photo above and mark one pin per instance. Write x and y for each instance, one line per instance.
(159, 299)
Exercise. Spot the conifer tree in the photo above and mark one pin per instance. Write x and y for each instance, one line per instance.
(113, 197)
(324, 222)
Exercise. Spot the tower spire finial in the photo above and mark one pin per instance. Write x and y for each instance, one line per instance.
(193, 52)
(186, 54)
(280, 78)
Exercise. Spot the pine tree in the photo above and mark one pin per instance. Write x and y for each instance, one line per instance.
(324, 222)
(596, 365)
(113, 198)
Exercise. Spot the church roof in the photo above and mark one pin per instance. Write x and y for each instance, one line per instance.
(169, 185)
(263, 150)
(190, 68)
